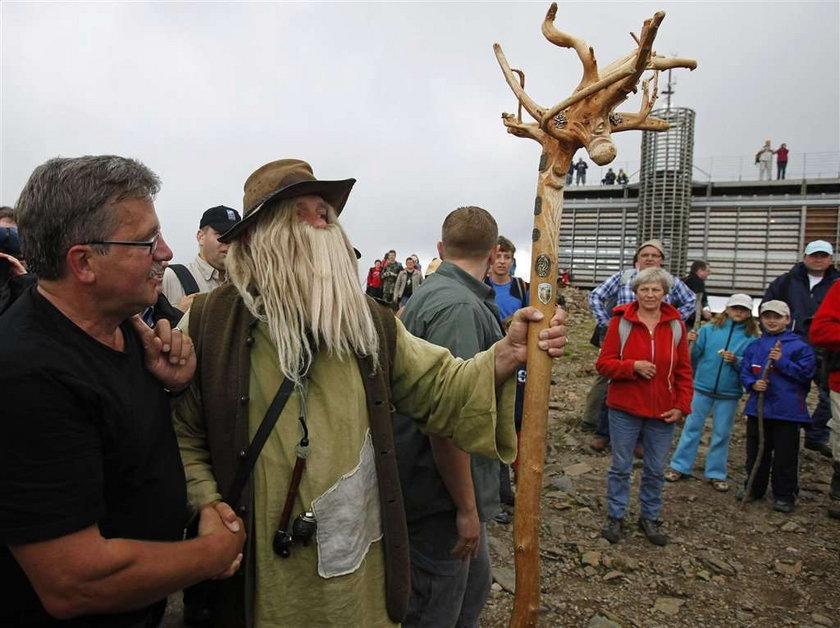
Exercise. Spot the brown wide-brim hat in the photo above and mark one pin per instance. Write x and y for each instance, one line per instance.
(281, 179)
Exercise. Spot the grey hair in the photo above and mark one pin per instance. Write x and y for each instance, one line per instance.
(652, 275)
(67, 201)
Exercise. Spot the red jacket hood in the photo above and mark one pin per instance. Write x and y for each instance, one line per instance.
(630, 311)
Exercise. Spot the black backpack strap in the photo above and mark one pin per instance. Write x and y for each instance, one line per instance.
(188, 282)
(246, 464)
(164, 309)
(523, 291)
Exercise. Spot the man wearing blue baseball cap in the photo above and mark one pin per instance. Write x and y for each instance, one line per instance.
(803, 288)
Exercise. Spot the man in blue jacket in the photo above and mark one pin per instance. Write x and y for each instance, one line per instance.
(803, 288)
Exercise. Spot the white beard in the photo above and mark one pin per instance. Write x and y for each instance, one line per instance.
(300, 279)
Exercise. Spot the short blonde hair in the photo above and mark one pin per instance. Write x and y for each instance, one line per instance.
(653, 275)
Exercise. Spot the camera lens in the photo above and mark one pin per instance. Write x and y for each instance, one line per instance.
(304, 527)
(282, 544)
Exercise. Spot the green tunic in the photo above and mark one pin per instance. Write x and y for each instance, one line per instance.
(456, 398)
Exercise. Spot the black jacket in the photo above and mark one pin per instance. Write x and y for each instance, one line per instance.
(794, 289)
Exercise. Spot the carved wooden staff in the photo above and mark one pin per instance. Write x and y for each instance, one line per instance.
(587, 119)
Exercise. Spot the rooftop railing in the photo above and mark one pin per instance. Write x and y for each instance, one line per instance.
(815, 165)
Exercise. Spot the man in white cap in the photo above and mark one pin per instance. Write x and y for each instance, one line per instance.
(322, 504)
(803, 288)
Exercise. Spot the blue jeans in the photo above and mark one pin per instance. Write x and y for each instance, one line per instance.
(723, 414)
(656, 436)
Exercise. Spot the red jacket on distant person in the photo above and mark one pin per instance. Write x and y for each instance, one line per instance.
(374, 278)
(825, 329)
(670, 388)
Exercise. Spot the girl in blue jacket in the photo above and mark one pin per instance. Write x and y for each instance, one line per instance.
(785, 390)
(716, 360)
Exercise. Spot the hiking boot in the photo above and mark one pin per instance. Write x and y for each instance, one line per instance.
(611, 530)
(639, 451)
(503, 518)
(821, 448)
(782, 505)
(599, 443)
(652, 530)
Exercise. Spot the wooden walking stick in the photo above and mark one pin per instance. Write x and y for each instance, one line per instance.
(586, 119)
(698, 315)
(760, 407)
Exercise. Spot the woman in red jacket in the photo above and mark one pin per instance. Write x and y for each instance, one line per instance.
(647, 362)
(374, 280)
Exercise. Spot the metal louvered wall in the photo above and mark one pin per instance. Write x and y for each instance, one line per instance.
(749, 233)
(665, 184)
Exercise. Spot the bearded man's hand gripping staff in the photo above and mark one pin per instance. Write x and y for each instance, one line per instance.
(512, 350)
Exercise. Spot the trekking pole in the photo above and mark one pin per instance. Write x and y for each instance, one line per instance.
(760, 452)
(698, 314)
(587, 119)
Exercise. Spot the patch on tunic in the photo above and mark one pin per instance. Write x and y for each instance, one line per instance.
(349, 517)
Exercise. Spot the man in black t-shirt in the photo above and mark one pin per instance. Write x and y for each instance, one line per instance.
(92, 492)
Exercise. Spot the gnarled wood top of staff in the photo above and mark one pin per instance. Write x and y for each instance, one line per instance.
(588, 118)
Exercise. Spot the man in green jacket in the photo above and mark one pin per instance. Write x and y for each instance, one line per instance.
(449, 495)
(350, 362)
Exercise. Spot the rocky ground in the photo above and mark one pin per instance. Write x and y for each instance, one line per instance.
(725, 566)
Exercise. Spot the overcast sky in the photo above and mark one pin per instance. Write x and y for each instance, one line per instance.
(406, 98)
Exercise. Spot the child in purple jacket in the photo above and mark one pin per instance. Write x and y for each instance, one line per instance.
(785, 391)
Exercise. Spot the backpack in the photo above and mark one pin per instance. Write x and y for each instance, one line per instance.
(186, 278)
(624, 327)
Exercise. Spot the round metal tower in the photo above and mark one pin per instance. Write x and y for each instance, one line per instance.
(665, 185)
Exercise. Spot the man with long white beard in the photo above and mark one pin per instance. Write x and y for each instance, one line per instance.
(293, 317)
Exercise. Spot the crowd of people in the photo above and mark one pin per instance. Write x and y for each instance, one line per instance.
(659, 364)
(577, 174)
(287, 451)
(226, 427)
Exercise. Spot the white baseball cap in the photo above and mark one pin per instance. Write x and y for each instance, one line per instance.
(779, 307)
(740, 300)
(819, 246)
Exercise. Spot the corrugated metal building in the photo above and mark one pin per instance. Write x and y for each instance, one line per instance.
(749, 231)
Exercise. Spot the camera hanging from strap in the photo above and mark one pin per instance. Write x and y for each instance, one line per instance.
(304, 526)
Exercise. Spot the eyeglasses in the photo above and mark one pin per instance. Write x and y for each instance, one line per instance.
(152, 244)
